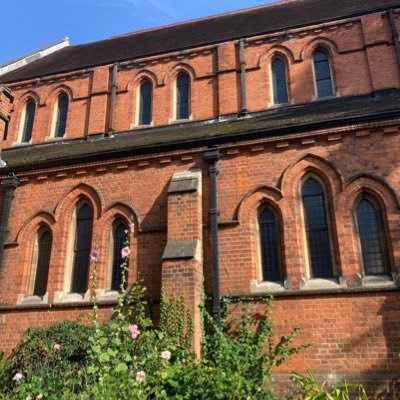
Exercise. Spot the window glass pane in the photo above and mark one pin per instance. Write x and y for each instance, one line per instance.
(269, 237)
(83, 240)
(28, 123)
(370, 238)
(43, 262)
(119, 239)
(145, 103)
(182, 96)
(322, 74)
(317, 233)
(279, 81)
(62, 111)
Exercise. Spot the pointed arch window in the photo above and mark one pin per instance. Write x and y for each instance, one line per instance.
(317, 229)
(182, 96)
(270, 245)
(371, 236)
(145, 102)
(82, 245)
(41, 261)
(322, 73)
(279, 81)
(118, 239)
(61, 115)
(30, 109)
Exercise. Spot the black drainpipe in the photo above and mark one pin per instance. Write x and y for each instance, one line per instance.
(9, 183)
(395, 34)
(112, 101)
(243, 111)
(212, 156)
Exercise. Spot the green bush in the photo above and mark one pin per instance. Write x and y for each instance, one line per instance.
(47, 357)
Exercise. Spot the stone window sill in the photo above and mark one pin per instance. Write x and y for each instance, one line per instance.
(321, 283)
(376, 281)
(24, 299)
(62, 297)
(266, 287)
(106, 295)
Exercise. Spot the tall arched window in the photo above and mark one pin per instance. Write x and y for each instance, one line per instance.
(145, 100)
(118, 239)
(29, 117)
(372, 236)
(279, 81)
(269, 245)
(322, 72)
(61, 117)
(82, 245)
(182, 96)
(41, 261)
(317, 229)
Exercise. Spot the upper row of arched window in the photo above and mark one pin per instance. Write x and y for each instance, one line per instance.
(279, 83)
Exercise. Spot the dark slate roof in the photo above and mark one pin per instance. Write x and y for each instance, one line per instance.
(276, 122)
(219, 28)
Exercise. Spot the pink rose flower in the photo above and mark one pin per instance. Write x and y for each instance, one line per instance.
(17, 377)
(132, 227)
(134, 331)
(56, 347)
(125, 252)
(166, 355)
(94, 255)
(140, 376)
(28, 398)
(39, 396)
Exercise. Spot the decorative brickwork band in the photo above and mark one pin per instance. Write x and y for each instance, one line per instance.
(10, 183)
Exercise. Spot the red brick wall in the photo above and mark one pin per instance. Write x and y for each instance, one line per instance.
(358, 48)
(354, 330)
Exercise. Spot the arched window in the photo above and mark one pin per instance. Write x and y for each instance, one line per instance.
(279, 81)
(371, 235)
(269, 245)
(61, 117)
(182, 96)
(145, 100)
(317, 229)
(41, 261)
(118, 240)
(322, 72)
(82, 245)
(29, 117)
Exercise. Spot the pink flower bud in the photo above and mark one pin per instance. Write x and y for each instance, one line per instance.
(94, 255)
(125, 252)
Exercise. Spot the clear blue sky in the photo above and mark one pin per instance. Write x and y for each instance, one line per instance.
(29, 25)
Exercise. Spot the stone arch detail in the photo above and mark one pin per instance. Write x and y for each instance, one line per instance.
(254, 199)
(65, 207)
(322, 167)
(53, 94)
(174, 71)
(143, 74)
(24, 98)
(276, 51)
(320, 41)
(30, 226)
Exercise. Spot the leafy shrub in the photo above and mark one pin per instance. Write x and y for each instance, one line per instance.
(312, 390)
(47, 357)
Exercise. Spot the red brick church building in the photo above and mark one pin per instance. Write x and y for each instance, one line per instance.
(257, 153)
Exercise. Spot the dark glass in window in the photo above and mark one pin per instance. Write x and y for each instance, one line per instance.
(279, 82)
(43, 261)
(317, 231)
(145, 102)
(28, 123)
(182, 96)
(269, 237)
(83, 240)
(371, 238)
(62, 111)
(322, 72)
(119, 236)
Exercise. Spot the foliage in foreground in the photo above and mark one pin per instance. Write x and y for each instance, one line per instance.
(312, 390)
(128, 358)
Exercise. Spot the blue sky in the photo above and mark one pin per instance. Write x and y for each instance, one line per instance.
(30, 25)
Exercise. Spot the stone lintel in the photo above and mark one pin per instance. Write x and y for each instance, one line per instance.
(181, 249)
